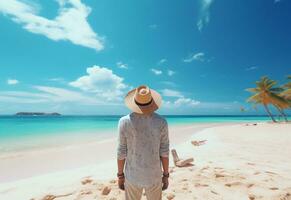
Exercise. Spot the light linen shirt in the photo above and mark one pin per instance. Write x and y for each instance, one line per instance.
(143, 139)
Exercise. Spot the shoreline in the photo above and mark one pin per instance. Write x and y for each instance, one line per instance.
(78, 154)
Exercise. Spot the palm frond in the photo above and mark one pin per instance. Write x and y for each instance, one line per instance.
(277, 89)
(256, 98)
(279, 101)
(254, 90)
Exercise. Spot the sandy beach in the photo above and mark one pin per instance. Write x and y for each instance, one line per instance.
(236, 161)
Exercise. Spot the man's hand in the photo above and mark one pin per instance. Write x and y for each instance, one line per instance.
(121, 183)
(165, 181)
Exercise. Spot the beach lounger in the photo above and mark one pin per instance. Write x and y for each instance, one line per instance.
(181, 162)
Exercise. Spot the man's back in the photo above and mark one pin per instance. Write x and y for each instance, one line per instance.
(143, 140)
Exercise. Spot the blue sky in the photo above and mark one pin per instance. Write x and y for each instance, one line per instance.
(81, 57)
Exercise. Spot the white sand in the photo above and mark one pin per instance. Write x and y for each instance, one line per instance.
(236, 162)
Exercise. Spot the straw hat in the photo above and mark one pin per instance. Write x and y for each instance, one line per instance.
(143, 100)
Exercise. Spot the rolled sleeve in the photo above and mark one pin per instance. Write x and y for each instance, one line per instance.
(122, 143)
(164, 146)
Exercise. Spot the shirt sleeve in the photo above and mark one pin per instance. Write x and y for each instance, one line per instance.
(164, 146)
(122, 143)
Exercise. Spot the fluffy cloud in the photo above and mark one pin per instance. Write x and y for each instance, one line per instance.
(99, 87)
(171, 72)
(71, 23)
(122, 65)
(156, 71)
(196, 56)
(179, 99)
(159, 72)
(186, 101)
(162, 61)
(251, 68)
(12, 81)
(204, 16)
(102, 82)
(181, 102)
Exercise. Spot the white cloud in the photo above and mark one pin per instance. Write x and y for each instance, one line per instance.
(12, 81)
(100, 87)
(171, 93)
(195, 56)
(171, 72)
(23, 97)
(70, 25)
(181, 103)
(65, 95)
(204, 16)
(162, 61)
(102, 82)
(186, 101)
(156, 71)
(45, 94)
(57, 79)
(251, 68)
(122, 65)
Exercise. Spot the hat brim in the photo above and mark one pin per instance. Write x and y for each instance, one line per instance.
(155, 104)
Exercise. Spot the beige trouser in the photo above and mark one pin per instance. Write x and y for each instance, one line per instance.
(133, 192)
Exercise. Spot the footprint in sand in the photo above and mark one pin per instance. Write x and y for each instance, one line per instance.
(256, 173)
(233, 184)
(219, 175)
(86, 181)
(274, 188)
(85, 192)
(204, 168)
(52, 197)
(113, 181)
(251, 164)
(218, 168)
(184, 188)
(214, 192)
(286, 196)
(201, 185)
(252, 197)
(269, 172)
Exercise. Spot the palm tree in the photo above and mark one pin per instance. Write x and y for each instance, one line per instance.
(286, 95)
(265, 93)
(287, 92)
(280, 104)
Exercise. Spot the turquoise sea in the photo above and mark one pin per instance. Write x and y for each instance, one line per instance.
(29, 131)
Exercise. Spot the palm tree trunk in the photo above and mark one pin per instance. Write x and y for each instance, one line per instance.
(282, 113)
(269, 113)
(285, 116)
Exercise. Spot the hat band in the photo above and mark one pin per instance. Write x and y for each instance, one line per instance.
(143, 104)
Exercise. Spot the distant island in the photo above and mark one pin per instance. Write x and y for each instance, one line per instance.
(37, 114)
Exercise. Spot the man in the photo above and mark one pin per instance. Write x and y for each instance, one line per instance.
(143, 146)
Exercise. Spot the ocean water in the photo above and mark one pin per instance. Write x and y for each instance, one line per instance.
(18, 132)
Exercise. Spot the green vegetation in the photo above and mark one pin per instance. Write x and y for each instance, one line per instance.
(267, 92)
